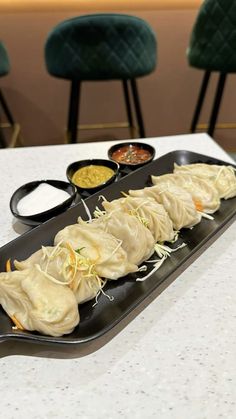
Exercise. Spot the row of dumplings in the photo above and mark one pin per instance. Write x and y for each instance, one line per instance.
(44, 291)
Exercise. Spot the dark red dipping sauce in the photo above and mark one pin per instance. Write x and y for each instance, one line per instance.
(131, 154)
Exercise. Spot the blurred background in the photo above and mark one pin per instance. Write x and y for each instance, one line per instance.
(40, 102)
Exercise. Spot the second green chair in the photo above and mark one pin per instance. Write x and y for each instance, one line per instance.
(213, 49)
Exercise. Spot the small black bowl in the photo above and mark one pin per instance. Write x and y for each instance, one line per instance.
(36, 219)
(142, 146)
(73, 167)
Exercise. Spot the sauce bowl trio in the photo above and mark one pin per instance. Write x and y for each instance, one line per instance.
(87, 176)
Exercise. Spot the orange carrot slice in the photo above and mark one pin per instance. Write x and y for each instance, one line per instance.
(8, 265)
(17, 323)
(198, 205)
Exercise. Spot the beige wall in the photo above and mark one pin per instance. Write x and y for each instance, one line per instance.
(40, 101)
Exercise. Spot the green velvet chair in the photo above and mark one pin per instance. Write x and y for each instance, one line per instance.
(213, 49)
(102, 47)
(4, 108)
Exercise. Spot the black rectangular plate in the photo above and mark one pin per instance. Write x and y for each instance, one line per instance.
(128, 294)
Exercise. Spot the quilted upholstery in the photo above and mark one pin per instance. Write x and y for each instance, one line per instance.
(213, 41)
(4, 61)
(101, 47)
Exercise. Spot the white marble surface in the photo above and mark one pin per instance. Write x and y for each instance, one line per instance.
(175, 360)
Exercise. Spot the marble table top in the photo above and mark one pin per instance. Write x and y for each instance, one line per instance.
(175, 359)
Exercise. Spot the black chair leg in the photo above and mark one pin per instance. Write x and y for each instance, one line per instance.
(73, 116)
(200, 101)
(7, 112)
(128, 107)
(216, 105)
(137, 107)
(2, 139)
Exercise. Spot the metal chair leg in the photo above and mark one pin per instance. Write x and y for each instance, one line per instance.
(216, 104)
(128, 108)
(73, 115)
(2, 139)
(137, 107)
(200, 101)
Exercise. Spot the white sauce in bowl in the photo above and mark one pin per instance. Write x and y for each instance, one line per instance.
(42, 198)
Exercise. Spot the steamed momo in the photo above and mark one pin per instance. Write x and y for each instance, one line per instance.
(177, 202)
(67, 267)
(136, 239)
(221, 177)
(148, 211)
(102, 250)
(37, 303)
(204, 195)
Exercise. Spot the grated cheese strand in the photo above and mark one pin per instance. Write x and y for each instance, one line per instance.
(207, 216)
(87, 211)
(156, 267)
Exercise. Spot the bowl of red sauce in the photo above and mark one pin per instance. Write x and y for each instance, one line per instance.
(132, 154)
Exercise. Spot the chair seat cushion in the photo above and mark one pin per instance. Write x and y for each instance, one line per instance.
(213, 41)
(101, 47)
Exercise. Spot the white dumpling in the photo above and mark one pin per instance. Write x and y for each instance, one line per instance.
(205, 196)
(148, 211)
(103, 251)
(38, 304)
(68, 267)
(222, 177)
(177, 202)
(136, 239)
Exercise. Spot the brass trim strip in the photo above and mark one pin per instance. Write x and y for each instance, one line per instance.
(223, 125)
(16, 139)
(103, 126)
(106, 125)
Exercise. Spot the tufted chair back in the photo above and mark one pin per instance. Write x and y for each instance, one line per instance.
(213, 40)
(101, 47)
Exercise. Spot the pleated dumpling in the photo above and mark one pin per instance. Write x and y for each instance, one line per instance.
(137, 240)
(221, 177)
(102, 250)
(148, 211)
(66, 267)
(50, 259)
(38, 304)
(177, 202)
(203, 193)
